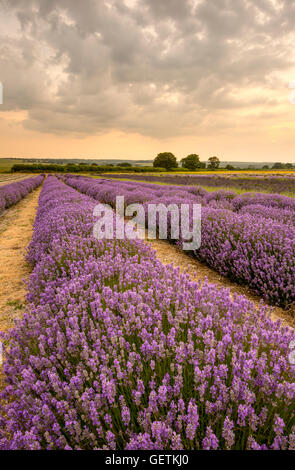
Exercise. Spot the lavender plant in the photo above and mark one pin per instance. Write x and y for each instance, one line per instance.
(12, 193)
(248, 238)
(273, 183)
(119, 352)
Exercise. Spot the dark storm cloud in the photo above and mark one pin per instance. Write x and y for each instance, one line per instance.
(155, 67)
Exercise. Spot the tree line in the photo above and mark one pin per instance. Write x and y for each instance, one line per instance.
(191, 162)
(80, 168)
(165, 161)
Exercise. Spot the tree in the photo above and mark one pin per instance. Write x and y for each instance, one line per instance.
(165, 160)
(288, 165)
(230, 167)
(214, 163)
(265, 167)
(124, 165)
(191, 162)
(278, 166)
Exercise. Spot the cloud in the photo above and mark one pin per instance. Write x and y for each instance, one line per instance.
(158, 68)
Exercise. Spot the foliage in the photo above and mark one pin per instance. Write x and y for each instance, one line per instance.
(213, 163)
(165, 160)
(192, 162)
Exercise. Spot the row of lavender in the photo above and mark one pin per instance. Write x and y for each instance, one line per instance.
(12, 193)
(268, 183)
(248, 238)
(118, 351)
(274, 206)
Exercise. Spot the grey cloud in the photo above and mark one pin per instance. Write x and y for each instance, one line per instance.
(159, 68)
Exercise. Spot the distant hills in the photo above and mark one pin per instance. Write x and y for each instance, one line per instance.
(114, 161)
(255, 165)
(106, 161)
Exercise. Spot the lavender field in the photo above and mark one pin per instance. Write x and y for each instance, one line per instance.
(118, 351)
(147, 232)
(12, 193)
(248, 238)
(272, 183)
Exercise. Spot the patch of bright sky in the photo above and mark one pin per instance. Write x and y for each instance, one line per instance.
(55, 71)
(57, 77)
(9, 24)
(109, 5)
(278, 5)
(249, 97)
(169, 98)
(195, 4)
(262, 18)
(14, 116)
(150, 32)
(169, 43)
(66, 19)
(201, 35)
(130, 3)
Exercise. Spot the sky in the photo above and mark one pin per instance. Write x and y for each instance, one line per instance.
(132, 78)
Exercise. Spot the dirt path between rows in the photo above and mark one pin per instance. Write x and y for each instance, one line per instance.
(168, 254)
(16, 227)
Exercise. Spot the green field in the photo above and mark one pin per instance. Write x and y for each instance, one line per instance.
(7, 163)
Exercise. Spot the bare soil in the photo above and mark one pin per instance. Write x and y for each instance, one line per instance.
(16, 226)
